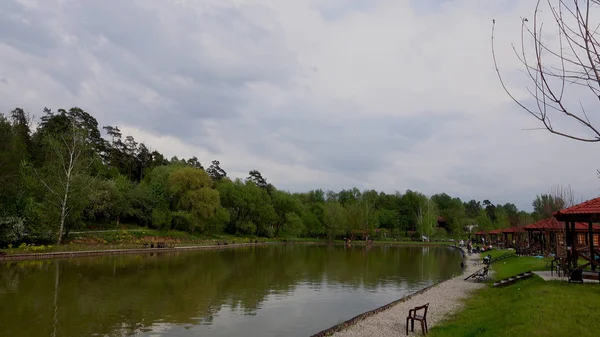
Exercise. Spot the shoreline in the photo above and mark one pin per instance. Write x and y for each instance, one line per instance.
(390, 319)
(123, 251)
(88, 253)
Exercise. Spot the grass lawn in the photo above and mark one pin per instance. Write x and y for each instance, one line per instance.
(518, 264)
(532, 307)
(497, 253)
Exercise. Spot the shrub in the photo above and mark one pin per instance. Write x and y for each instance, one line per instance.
(12, 230)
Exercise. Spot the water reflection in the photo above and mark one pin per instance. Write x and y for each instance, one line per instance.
(292, 290)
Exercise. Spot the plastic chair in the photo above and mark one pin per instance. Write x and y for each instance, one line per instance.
(413, 316)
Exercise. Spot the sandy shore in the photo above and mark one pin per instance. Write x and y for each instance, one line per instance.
(443, 300)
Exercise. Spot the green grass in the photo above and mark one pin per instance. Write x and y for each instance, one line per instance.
(531, 307)
(495, 253)
(517, 265)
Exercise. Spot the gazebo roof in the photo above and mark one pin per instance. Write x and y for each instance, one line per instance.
(495, 231)
(588, 211)
(546, 224)
(481, 233)
(513, 230)
(551, 224)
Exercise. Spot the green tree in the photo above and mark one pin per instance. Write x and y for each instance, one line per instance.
(215, 171)
(142, 201)
(502, 218)
(194, 196)
(546, 204)
(250, 208)
(451, 209)
(334, 218)
(483, 221)
(285, 205)
(12, 154)
(294, 226)
(410, 207)
(312, 216)
(472, 208)
(64, 174)
(427, 217)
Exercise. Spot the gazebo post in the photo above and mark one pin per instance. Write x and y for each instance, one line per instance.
(568, 242)
(592, 254)
(574, 245)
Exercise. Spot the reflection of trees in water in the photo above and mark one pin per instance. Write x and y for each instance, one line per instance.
(117, 295)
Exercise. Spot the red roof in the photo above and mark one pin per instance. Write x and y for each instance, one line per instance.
(495, 231)
(481, 233)
(551, 224)
(589, 207)
(546, 224)
(513, 230)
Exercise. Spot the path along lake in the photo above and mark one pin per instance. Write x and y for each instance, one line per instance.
(275, 290)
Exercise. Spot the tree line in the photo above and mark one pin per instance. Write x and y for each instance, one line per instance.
(66, 173)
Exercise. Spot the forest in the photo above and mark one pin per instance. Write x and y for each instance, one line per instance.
(67, 173)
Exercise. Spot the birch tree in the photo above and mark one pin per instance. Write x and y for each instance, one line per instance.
(427, 217)
(63, 174)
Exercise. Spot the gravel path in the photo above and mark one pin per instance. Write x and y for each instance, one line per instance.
(443, 300)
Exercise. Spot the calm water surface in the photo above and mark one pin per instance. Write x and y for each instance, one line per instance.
(294, 290)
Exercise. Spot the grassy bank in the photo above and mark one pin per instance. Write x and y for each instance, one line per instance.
(135, 238)
(531, 307)
(129, 239)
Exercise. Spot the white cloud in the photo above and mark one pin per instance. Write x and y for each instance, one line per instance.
(385, 94)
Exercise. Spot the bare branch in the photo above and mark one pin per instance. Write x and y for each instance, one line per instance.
(552, 70)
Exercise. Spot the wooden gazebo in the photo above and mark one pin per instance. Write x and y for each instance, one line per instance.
(495, 236)
(580, 244)
(514, 237)
(479, 235)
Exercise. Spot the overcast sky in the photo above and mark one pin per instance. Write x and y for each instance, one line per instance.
(383, 94)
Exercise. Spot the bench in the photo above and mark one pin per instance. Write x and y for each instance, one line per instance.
(591, 275)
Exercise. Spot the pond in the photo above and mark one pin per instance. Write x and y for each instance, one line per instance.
(275, 290)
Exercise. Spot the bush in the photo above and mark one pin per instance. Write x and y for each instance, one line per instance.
(182, 221)
(12, 230)
(161, 218)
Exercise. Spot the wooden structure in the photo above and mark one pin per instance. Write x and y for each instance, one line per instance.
(495, 236)
(544, 236)
(582, 236)
(479, 235)
(514, 237)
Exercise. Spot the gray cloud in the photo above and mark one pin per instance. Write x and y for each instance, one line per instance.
(21, 30)
(312, 93)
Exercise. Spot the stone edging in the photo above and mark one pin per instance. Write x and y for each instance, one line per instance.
(356, 319)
